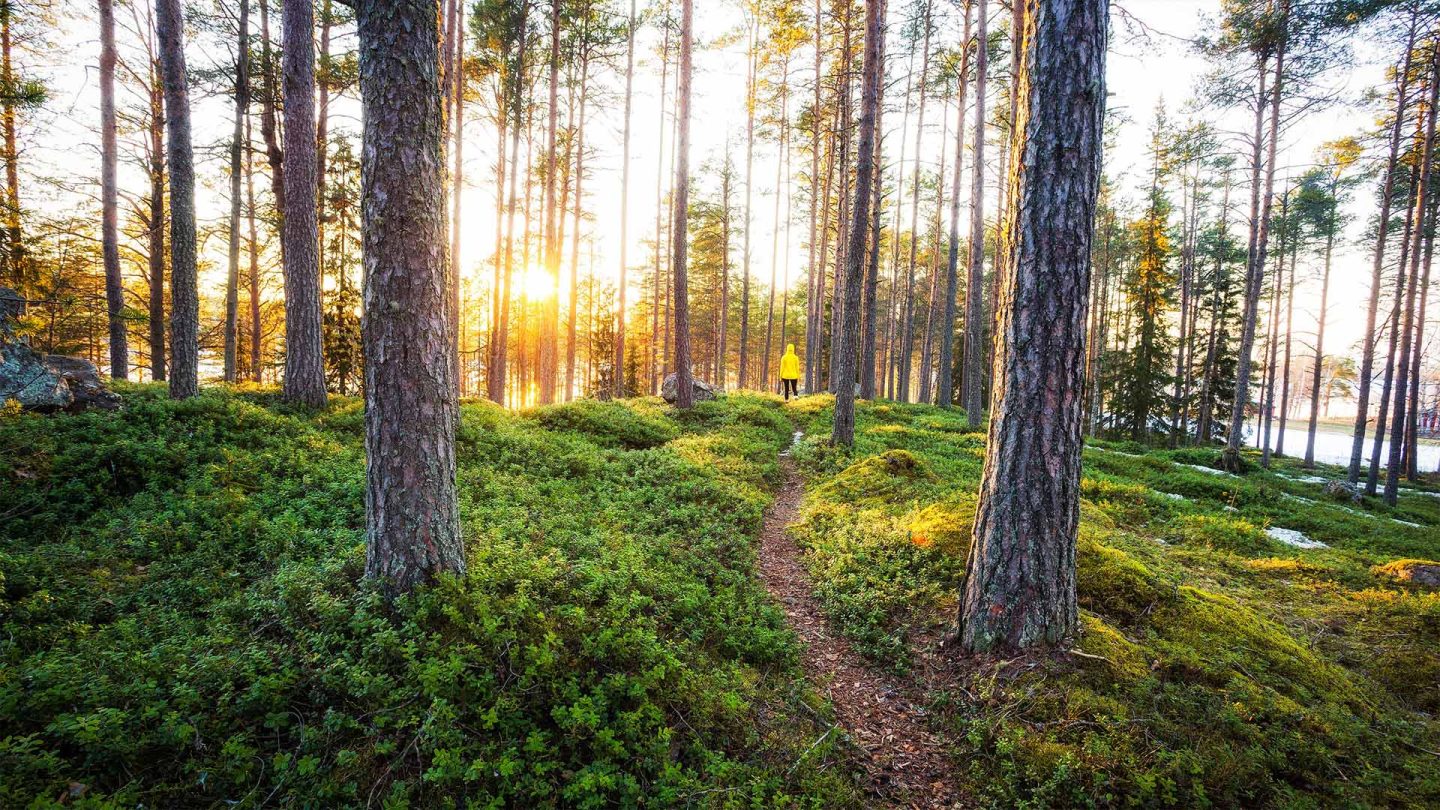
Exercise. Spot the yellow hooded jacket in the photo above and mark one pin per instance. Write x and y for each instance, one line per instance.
(790, 364)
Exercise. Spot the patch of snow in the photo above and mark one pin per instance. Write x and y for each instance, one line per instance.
(1172, 496)
(1407, 523)
(1290, 537)
(1112, 452)
(1298, 498)
(1229, 508)
(1308, 479)
(1210, 470)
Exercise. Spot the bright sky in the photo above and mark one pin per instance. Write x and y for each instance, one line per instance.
(60, 142)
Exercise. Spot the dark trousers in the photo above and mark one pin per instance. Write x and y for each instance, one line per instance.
(791, 387)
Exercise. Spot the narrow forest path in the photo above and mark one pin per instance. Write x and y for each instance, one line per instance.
(905, 761)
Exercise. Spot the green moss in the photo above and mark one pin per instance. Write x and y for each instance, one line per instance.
(889, 477)
(1221, 533)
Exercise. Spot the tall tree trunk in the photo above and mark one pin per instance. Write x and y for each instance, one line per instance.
(872, 263)
(322, 135)
(237, 145)
(500, 334)
(842, 219)
(843, 430)
(1319, 342)
(974, 300)
(752, 60)
(457, 185)
(722, 316)
(575, 249)
(156, 236)
(550, 318)
(109, 197)
(1402, 376)
(659, 271)
(946, 394)
(411, 511)
(15, 247)
(270, 106)
(618, 371)
(1372, 478)
(815, 260)
(782, 150)
(1020, 589)
(304, 381)
(1411, 463)
(932, 309)
(1367, 357)
(1259, 235)
(184, 295)
(1285, 367)
(253, 277)
(1272, 342)
(684, 397)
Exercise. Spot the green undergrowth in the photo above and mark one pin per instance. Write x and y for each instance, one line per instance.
(185, 624)
(1217, 665)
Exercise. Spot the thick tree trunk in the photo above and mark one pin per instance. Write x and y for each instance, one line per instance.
(237, 168)
(617, 373)
(684, 398)
(304, 381)
(184, 295)
(412, 520)
(1020, 589)
(843, 430)
(109, 198)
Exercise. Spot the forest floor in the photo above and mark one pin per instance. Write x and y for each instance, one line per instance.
(184, 621)
(906, 763)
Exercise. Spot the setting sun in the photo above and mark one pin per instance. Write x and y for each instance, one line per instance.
(535, 284)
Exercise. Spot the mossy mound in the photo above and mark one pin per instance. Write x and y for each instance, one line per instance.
(891, 476)
(946, 526)
(1217, 532)
(613, 424)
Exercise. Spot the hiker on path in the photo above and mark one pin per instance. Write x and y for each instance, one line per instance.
(790, 371)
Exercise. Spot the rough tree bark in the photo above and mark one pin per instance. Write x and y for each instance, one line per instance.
(184, 296)
(845, 367)
(1020, 590)
(109, 197)
(304, 354)
(156, 236)
(412, 522)
(946, 392)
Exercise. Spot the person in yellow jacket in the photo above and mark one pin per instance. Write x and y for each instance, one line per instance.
(790, 371)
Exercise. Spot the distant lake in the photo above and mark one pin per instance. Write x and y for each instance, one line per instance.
(1333, 447)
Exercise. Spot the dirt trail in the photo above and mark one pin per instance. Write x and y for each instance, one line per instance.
(905, 761)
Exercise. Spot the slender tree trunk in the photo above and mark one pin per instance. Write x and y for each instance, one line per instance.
(907, 342)
(814, 259)
(1260, 232)
(974, 384)
(1319, 345)
(1367, 358)
(500, 335)
(109, 196)
(304, 358)
(1402, 377)
(872, 269)
(781, 150)
(721, 346)
(872, 71)
(457, 185)
(1285, 367)
(254, 254)
(412, 516)
(932, 309)
(1412, 422)
(268, 120)
(684, 397)
(618, 371)
(156, 237)
(752, 57)
(1020, 589)
(550, 320)
(232, 277)
(184, 295)
(946, 395)
(15, 247)
(659, 271)
(1272, 341)
(575, 249)
(842, 220)
(1372, 478)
